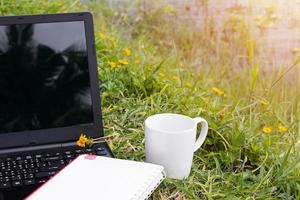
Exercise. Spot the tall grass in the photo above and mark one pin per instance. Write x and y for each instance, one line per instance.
(175, 68)
(179, 68)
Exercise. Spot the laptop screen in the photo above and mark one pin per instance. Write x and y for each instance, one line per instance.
(44, 76)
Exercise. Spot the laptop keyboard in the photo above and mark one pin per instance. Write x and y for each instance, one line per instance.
(35, 169)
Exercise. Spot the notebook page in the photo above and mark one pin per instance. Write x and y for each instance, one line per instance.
(101, 178)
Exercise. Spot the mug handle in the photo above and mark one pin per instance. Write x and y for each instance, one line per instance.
(203, 132)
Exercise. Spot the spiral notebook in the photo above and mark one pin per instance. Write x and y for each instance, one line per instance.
(97, 177)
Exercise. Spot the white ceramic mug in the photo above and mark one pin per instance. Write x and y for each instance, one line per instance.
(170, 141)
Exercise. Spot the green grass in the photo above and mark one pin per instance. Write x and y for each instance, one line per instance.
(176, 70)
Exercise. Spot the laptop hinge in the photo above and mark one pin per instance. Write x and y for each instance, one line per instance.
(37, 148)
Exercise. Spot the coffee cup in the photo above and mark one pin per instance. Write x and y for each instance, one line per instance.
(170, 141)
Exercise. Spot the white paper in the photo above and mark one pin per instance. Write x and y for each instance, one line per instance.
(97, 177)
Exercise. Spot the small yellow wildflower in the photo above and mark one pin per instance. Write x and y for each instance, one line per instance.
(206, 99)
(264, 102)
(189, 85)
(176, 78)
(113, 44)
(123, 61)
(161, 74)
(83, 138)
(112, 64)
(102, 35)
(288, 141)
(89, 142)
(281, 128)
(137, 62)
(295, 50)
(82, 141)
(267, 129)
(127, 51)
(218, 91)
(85, 141)
(63, 9)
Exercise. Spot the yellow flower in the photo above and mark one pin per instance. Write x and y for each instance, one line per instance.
(109, 39)
(176, 78)
(288, 141)
(188, 85)
(161, 74)
(264, 102)
(80, 143)
(113, 44)
(102, 35)
(206, 99)
(83, 138)
(267, 129)
(218, 91)
(295, 50)
(89, 142)
(86, 141)
(83, 141)
(123, 61)
(127, 51)
(281, 128)
(137, 62)
(112, 64)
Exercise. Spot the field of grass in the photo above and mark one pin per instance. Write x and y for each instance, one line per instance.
(148, 63)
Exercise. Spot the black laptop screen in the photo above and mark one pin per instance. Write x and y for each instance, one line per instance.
(44, 77)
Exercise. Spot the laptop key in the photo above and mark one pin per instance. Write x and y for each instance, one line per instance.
(44, 174)
(56, 163)
(40, 181)
(4, 185)
(52, 168)
(52, 158)
(18, 158)
(6, 179)
(29, 181)
(17, 183)
(38, 156)
(101, 153)
(16, 178)
(57, 154)
(48, 155)
(67, 152)
(5, 169)
(8, 159)
(100, 149)
(69, 156)
(78, 151)
(89, 150)
(28, 176)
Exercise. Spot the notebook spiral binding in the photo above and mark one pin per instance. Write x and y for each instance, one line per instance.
(139, 192)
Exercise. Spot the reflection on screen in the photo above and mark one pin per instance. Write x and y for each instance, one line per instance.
(44, 77)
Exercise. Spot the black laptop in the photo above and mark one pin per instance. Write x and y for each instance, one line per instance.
(49, 95)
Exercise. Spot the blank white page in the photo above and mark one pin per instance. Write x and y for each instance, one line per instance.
(97, 177)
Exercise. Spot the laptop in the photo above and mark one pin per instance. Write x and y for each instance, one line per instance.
(49, 95)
